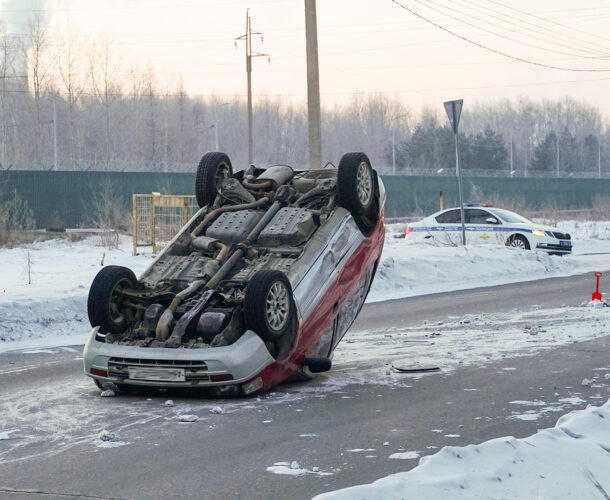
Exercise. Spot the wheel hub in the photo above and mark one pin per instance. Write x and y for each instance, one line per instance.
(364, 183)
(277, 306)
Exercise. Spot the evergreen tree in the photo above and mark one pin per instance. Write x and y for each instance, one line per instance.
(545, 154)
(486, 151)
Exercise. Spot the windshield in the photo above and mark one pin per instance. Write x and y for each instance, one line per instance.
(507, 216)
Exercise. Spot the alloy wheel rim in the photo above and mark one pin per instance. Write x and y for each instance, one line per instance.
(517, 243)
(364, 184)
(277, 305)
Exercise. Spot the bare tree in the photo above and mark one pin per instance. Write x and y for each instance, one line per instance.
(107, 83)
(38, 68)
(73, 77)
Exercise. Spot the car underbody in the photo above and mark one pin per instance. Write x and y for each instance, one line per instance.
(241, 278)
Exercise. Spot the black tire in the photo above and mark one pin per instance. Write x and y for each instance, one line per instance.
(101, 305)
(356, 190)
(212, 168)
(518, 241)
(269, 306)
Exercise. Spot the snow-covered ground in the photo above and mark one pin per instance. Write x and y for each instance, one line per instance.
(407, 270)
(51, 311)
(571, 460)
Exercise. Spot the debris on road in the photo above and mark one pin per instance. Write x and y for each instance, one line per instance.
(188, 418)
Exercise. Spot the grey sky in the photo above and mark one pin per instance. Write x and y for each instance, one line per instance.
(372, 46)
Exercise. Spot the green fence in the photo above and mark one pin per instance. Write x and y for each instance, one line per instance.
(72, 199)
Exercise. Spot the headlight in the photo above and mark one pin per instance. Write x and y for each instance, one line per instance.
(538, 232)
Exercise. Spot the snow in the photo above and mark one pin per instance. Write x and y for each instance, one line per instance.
(188, 418)
(51, 311)
(407, 270)
(570, 460)
(294, 469)
(405, 455)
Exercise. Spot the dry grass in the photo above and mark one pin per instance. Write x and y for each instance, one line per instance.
(18, 237)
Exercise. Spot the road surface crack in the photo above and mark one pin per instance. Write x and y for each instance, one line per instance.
(66, 495)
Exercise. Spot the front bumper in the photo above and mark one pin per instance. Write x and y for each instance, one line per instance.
(243, 361)
(555, 247)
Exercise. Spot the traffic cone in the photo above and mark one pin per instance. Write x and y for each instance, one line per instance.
(596, 295)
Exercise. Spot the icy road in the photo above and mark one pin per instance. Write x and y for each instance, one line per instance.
(509, 366)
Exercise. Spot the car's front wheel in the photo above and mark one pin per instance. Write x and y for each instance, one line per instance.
(269, 305)
(105, 304)
(518, 241)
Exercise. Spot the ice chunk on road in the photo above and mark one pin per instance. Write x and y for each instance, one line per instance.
(294, 469)
(188, 418)
(107, 436)
(405, 455)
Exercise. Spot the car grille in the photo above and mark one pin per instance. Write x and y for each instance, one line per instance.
(561, 236)
(193, 370)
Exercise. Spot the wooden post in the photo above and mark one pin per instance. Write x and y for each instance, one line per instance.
(152, 223)
(134, 208)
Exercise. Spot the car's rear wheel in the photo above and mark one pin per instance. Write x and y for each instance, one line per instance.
(269, 305)
(518, 241)
(105, 304)
(212, 169)
(356, 190)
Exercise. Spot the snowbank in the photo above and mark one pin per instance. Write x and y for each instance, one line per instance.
(407, 270)
(571, 460)
(52, 309)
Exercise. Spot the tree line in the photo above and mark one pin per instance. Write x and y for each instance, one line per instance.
(79, 106)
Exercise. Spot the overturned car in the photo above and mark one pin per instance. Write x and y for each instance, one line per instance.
(257, 288)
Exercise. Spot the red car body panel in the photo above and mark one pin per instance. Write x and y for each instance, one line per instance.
(366, 255)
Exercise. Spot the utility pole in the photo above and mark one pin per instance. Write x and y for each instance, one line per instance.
(599, 159)
(215, 136)
(249, 55)
(557, 152)
(313, 86)
(511, 155)
(54, 134)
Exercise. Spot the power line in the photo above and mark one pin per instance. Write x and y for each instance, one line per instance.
(558, 24)
(495, 33)
(516, 58)
(556, 37)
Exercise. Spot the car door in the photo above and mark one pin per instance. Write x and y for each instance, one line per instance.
(448, 228)
(480, 226)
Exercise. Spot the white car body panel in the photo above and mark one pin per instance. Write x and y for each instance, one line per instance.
(450, 233)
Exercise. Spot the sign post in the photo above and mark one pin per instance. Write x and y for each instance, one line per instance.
(454, 110)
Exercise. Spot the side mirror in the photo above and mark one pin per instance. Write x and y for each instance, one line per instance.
(491, 220)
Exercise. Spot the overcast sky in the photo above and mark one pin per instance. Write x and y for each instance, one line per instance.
(365, 46)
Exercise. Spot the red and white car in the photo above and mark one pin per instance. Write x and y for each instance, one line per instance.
(258, 287)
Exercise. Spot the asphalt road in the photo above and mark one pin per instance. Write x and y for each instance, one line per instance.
(54, 416)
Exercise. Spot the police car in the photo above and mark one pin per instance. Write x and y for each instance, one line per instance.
(487, 224)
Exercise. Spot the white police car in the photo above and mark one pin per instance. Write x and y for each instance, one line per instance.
(487, 224)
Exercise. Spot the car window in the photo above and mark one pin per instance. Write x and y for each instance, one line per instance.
(477, 216)
(449, 217)
(509, 216)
